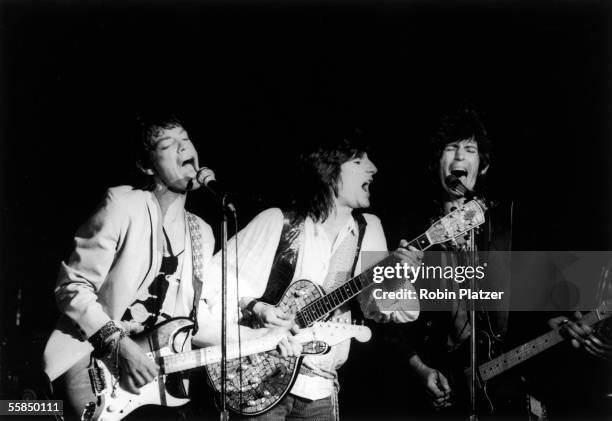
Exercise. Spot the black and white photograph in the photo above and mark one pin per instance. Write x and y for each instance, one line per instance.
(306, 210)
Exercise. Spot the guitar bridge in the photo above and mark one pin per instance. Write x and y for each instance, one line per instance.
(96, 377)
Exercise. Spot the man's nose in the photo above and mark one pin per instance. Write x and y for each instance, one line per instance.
(459, 154)
(372, 168)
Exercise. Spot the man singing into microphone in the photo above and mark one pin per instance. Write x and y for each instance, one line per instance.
(138, 261)
(438, 342)
(461, 159)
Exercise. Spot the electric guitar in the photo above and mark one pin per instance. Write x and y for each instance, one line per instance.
(498, 365)
(494, 393)
(268, 377)
(166, 344)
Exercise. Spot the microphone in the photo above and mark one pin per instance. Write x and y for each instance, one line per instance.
(453, 183)
(206, 177)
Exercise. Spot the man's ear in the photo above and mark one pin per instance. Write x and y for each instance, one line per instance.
(147, 171)
(484, 170)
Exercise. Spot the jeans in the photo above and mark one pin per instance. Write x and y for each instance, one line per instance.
(295, 408)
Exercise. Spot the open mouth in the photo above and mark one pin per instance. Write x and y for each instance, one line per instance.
(366, 186)
(459, 172)
(190, 161)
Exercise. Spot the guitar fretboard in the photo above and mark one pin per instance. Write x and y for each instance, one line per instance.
(205, 356)
(321, 307)
(526, 351)
(460, 221)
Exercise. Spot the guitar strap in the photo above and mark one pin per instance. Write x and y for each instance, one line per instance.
(344, 260)
(361, 224)
(285, 258)
(197, 258)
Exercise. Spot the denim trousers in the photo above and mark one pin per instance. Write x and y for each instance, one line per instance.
(295, 408)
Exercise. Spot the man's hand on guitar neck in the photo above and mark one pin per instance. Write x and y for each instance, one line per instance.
(410, 254)
(581, 335)
(135, 368)
(435, 383)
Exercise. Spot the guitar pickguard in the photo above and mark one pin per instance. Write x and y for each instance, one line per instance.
(258, 382)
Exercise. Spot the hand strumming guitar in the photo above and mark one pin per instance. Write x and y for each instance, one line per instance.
(435, 383)
(273, 319)
(135, 368)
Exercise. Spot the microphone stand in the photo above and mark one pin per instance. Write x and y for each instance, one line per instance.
(224, 413)
(456, 184)
(472, 260)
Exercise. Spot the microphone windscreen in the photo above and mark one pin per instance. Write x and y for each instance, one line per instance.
(453, 183)
(205, 176)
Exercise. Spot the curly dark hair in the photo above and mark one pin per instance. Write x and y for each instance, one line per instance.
(149, 127)
(320, 172)
(462, 124)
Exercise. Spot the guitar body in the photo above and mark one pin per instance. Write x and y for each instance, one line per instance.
(265, 377)
(502, 396)
(96, 394)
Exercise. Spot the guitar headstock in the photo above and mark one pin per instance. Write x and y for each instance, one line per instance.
(603, 296)
(457, 223)
(604, 309)
(332, 333)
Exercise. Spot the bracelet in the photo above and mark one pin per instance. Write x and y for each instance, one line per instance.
(113, 343)
(104, 337)
(250, 306)
(249, 316)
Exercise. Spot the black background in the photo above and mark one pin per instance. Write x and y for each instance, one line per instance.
(253, 82)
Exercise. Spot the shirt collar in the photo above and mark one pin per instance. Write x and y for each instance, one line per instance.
(350, 226)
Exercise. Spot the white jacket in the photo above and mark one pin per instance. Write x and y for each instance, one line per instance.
(118, 252)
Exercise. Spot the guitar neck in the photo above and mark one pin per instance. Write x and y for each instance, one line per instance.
(320, 308)
(211, 355)
(526, 351)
